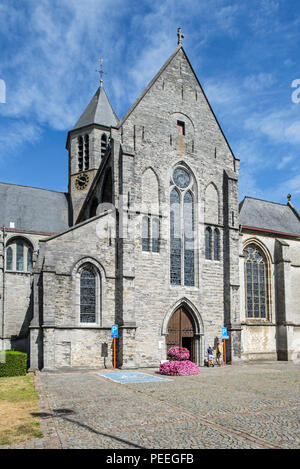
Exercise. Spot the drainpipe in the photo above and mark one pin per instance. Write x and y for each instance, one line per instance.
(3, 284)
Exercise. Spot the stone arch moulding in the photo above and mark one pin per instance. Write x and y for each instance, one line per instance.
(189, 306)
(261, 246)
(76, 266)
(198, 324)
(181, 116)
(16, 238)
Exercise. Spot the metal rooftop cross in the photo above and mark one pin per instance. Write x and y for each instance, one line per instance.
(180, 36)
(101, 73)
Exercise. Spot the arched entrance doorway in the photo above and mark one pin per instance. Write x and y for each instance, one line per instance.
(181, 331)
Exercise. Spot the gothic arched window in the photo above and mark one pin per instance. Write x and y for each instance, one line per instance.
(255, 282)
(86, 152)
(19, 254)
(87, 295)
(80, 153)
(103, 145)
(182, 228)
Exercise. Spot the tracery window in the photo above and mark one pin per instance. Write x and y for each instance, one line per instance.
(255, 282)
(87, 296)
(19, 255)
(182, 228)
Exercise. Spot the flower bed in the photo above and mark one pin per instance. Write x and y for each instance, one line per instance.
(178, 353)
(178, 368)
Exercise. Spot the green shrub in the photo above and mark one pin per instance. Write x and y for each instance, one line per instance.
(13, 363)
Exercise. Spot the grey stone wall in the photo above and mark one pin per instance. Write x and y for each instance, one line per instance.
(149, 140)
(16, 302)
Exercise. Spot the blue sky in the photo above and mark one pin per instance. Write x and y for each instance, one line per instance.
(245, 54)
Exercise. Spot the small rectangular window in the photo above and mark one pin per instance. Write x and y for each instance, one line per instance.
(180, 128)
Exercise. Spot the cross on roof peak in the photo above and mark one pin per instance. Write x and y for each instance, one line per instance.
(101, 73)
(180, 36)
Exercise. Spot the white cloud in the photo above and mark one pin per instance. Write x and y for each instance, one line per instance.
(284, 161)
(258, 82)
(15, 135)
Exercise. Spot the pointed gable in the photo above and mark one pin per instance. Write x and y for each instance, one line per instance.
(178, 77)
(99, 111)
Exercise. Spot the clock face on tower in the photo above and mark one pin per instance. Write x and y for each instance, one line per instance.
(81, 181)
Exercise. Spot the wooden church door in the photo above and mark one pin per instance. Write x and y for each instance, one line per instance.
(181, 332)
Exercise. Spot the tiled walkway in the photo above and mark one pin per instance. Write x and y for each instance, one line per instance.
(240, 406)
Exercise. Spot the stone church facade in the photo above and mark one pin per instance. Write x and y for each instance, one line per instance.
(150, 236)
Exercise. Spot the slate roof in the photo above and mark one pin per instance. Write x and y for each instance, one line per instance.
(99, 111)
(33, 209)
(270, 216)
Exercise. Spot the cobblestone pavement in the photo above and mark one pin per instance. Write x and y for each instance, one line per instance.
(240, 406)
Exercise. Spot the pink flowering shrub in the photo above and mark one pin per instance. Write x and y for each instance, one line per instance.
(179, 368)
(178, 353)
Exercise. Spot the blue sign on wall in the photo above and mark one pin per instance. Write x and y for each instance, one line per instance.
(115, 331)
(224, 333)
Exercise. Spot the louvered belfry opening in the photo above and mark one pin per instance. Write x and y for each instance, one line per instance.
(181, 331)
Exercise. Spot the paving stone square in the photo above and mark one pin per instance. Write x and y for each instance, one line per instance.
(244, 406)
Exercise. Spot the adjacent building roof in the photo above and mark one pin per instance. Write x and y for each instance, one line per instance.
(269, 216)
(99, 111)
(33, 209)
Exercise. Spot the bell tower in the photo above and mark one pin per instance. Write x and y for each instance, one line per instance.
(86, 144)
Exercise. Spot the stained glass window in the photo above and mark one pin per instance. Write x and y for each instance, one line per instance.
(189, 257)
(181, 178)
(87, 296)
(19, 256)
(175, 225)
(9, 259)
(255, 282)
(182, 225)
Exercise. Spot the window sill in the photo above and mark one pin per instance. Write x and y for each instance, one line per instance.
(17, 272)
